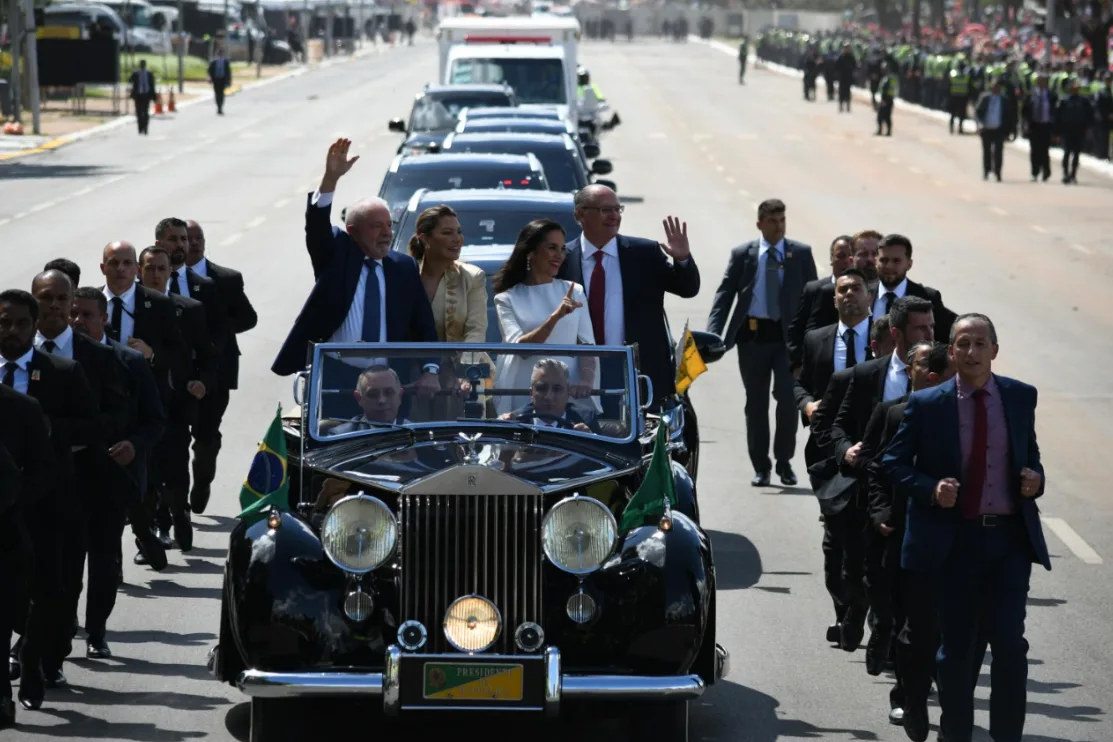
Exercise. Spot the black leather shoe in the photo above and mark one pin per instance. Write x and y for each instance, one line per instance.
(97, 649)
(183, 531)
(199, 498)
(916, 725)
(32, 690)
(852, 634)
(7, 712)
(14, 668)
(56, 679)
(875, 654)
(165, 538)
(151, 551)
(761, 479)
(833, 632)
(788, 477)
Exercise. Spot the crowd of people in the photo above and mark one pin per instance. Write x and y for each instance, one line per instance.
(932, 545)
(104, 391)
(1003, 86)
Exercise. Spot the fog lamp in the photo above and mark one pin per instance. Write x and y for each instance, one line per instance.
(358, 605)
(472, 624)
(581, 608)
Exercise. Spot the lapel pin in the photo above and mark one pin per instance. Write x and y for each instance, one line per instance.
(146, 305)
(788, 254)
(35, 375)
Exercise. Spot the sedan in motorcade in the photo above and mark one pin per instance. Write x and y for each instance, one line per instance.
(564, 159)
(497, 112)
(451, 171)
(526, 126)
(436, 108)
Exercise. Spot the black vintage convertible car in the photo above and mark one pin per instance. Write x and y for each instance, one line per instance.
(463, 545)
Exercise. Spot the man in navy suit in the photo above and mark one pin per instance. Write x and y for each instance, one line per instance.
(626, 279)
(365, 292)
(966, 458)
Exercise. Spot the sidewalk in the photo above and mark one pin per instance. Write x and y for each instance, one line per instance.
(1086, 161)
(61, 126)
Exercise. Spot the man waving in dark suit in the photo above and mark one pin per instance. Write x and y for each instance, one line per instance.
(365, 292)
(767, 276)
(625, 279)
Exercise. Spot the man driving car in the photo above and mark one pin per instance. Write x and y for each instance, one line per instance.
(550, 405)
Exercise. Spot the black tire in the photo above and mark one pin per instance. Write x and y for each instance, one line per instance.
(266, 719)
(663, 721)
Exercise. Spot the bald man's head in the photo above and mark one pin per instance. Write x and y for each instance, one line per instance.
(196, 249)
(53, 290)
(119, 266)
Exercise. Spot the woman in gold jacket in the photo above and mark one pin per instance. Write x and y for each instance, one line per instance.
(458, 292)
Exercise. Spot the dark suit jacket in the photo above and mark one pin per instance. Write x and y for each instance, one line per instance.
(883, 424)
(818, 363)
(337, 264)
(24, 436)
(867, 386)
(108, 390)
(240, 316)
(226, 78)
(1008, 111)
(738, 283)
(572, 414)
(203, 359)
(647, 275)
(156, 324)
(62, 389)
(944, 317)
(1028, 108)
(146, 418)
(133, 84)
(817, 309)
(204, 290)
(926, 449)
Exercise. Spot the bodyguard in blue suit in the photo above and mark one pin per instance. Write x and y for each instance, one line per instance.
(364, 291)
(966, 457)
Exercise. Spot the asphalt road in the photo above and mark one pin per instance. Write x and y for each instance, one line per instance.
(1035, 257)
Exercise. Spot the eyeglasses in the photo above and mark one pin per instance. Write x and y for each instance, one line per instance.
(542, 387)
(377, 394)
(606, 210)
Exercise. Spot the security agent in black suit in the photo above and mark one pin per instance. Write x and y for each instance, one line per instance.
(550, 403)
(87, 528)
(833, 348)
(240, 317)
(364, 292)
(62, 390)
(143, 320)
(767, 276)
(171, 454)
(26, 480)
(871, 383)
(626, 286)
(843, 555)
(817, 303)
(894, 260)
(142, 90)
(220, 75)
(929, 364)
(172, 236)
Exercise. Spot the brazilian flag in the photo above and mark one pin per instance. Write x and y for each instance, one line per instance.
(649, 500)
(267, 483)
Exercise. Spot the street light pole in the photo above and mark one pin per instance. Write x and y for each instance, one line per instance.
(1049, 27)
(32, 65)
(181, 46)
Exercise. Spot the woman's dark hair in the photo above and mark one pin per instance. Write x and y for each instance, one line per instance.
(513, 271)
(427, 221)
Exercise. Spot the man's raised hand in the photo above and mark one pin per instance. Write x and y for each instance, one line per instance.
(337, 164)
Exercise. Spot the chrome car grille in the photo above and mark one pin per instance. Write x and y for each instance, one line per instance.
(456, 545)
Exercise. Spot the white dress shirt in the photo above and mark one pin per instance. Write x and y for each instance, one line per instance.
(22, 375)
(614, 315)
(127, 319)
(63, 343)
(861, 340)
(896, 379)
(201, 268)
(879, 303)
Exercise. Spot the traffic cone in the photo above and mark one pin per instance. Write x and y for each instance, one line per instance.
(170, 104)
(158, 104)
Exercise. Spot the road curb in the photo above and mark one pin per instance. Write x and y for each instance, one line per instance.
(77, 136)
(1086, 161)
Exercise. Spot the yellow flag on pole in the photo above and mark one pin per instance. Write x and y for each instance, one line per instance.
(689, 364)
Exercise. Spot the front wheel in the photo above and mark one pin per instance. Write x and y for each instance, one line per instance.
(265, 719)
(663, 721)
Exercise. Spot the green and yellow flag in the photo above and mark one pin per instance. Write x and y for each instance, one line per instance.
(267, 482)
(649, 500)
(689, 364)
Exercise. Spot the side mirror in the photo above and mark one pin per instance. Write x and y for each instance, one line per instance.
(710, 346)
(645, 391)
(615, 121)
(607, 184)
(398, 125)
(592, 151)
(601, 167)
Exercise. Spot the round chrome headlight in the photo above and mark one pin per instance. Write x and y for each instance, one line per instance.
(578, 534)
(359, 533)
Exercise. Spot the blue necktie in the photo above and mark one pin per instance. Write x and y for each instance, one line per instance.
(372, 304)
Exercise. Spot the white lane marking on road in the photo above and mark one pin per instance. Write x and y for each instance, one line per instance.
(20, 215)
(1038, 228)
(250, 135)
(703, 148)
(1072, 540)
(4, 221)
(280, 203)
(915, 170)
(83, 192)
(657, 135)
(210, 140)
(998, 211)
(730, 179)
(700, 137)
(743, 192)
(231, 239)
(256, 222)
(1082, 249)
(42, 206)
(720, 168)
(112, 180)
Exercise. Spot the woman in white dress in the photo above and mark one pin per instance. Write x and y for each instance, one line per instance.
(534, 306)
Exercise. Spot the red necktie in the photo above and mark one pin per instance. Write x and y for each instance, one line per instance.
(597, 302)
(971, 499)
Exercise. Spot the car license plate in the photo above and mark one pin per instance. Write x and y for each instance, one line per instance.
(473, 682)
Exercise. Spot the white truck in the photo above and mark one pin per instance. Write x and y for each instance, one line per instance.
(534, 55)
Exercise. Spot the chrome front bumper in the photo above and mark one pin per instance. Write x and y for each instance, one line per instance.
(558, 686)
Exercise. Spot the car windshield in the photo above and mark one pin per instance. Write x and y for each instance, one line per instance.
(400, 186)
(486, 224)
(533, 80)
(438, 113)
(361, 390)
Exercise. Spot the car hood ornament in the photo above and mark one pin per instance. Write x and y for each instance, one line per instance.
(471, 441)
